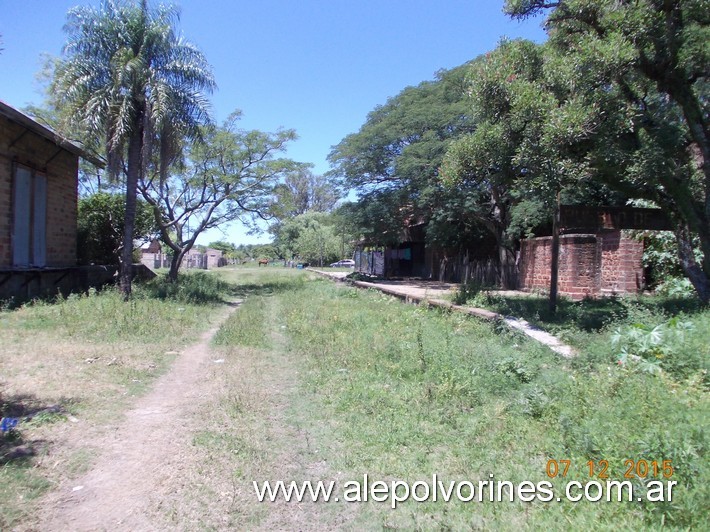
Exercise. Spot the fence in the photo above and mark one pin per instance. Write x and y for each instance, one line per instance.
(485, 272)
(370, 262)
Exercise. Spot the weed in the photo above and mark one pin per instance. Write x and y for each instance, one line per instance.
(472, 294)
(646, 347)
(516, 368)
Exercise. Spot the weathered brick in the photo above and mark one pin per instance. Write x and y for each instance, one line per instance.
(35, 151)
(589, 265)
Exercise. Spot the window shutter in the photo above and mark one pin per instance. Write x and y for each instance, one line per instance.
(21, 217)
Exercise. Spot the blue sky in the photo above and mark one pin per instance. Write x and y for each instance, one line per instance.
(316, 66)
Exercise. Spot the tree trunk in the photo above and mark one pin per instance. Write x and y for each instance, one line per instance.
(697, 276)
(175, 265)
(506, 258)
(135, 165)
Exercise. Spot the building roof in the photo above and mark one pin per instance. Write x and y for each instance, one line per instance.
(43, 131)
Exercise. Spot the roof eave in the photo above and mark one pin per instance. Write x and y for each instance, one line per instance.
(27, 122)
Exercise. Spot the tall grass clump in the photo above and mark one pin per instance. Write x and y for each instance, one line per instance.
(158, 311)
(106, 317)
(199, 288)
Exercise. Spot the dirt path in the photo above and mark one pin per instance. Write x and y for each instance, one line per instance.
(143, 455)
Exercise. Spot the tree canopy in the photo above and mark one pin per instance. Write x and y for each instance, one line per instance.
(634, 80)
(129, 78)
(301, 191)
(313, 237)
(393, 161)
(229, 175)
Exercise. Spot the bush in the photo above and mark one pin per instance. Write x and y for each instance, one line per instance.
(100, 226)
(196, 288)
(647, 347)
(660, 256)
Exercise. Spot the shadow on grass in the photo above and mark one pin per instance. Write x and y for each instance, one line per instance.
(25, 408)
(198, 288)
(589, 315)
(265, 289)
(202, 288)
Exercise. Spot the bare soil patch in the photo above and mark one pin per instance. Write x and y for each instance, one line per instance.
(140, 456)
(257, 426)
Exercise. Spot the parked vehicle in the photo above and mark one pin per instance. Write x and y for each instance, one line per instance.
(345, 263)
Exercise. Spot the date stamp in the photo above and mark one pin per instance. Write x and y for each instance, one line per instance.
(600, 469)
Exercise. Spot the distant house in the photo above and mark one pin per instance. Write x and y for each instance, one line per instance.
(38, 206)
(215, 258)
(210, 258)
(153, 257)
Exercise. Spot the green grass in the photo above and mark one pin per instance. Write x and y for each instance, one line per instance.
(589, 325)
(88, 355)
(406, 392)
(357, 383)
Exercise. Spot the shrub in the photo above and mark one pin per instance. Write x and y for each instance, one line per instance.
(197, 288)
(648, 346)
(100, 227)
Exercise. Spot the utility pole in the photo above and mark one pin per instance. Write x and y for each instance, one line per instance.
(555, 252)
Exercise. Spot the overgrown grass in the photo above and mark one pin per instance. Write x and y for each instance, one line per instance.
(261, 425)
(406, 392)
(589, 315)
(591, 325)
(86, 356)
(199, 288)
(336, 382)
(251, 326)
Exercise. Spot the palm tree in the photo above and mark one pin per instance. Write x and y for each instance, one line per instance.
(129, 78)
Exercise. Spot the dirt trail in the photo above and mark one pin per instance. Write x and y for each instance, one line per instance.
(143, 455)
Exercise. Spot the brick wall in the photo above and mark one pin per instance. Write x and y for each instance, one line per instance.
(590, 265)
(61, 168)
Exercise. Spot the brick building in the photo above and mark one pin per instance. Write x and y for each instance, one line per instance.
(38, 206)
(590, 265)
(154, 257)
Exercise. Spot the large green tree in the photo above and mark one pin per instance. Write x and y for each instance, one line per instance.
(301, 191)
(509, 102)
(636, 73)
(228, 176)
(129, 78)
(394, 159)
(311, 237)
(100, 227)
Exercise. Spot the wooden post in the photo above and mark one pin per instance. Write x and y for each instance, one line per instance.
(555, 259)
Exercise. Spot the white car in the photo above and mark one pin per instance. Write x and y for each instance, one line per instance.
(345, 263)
